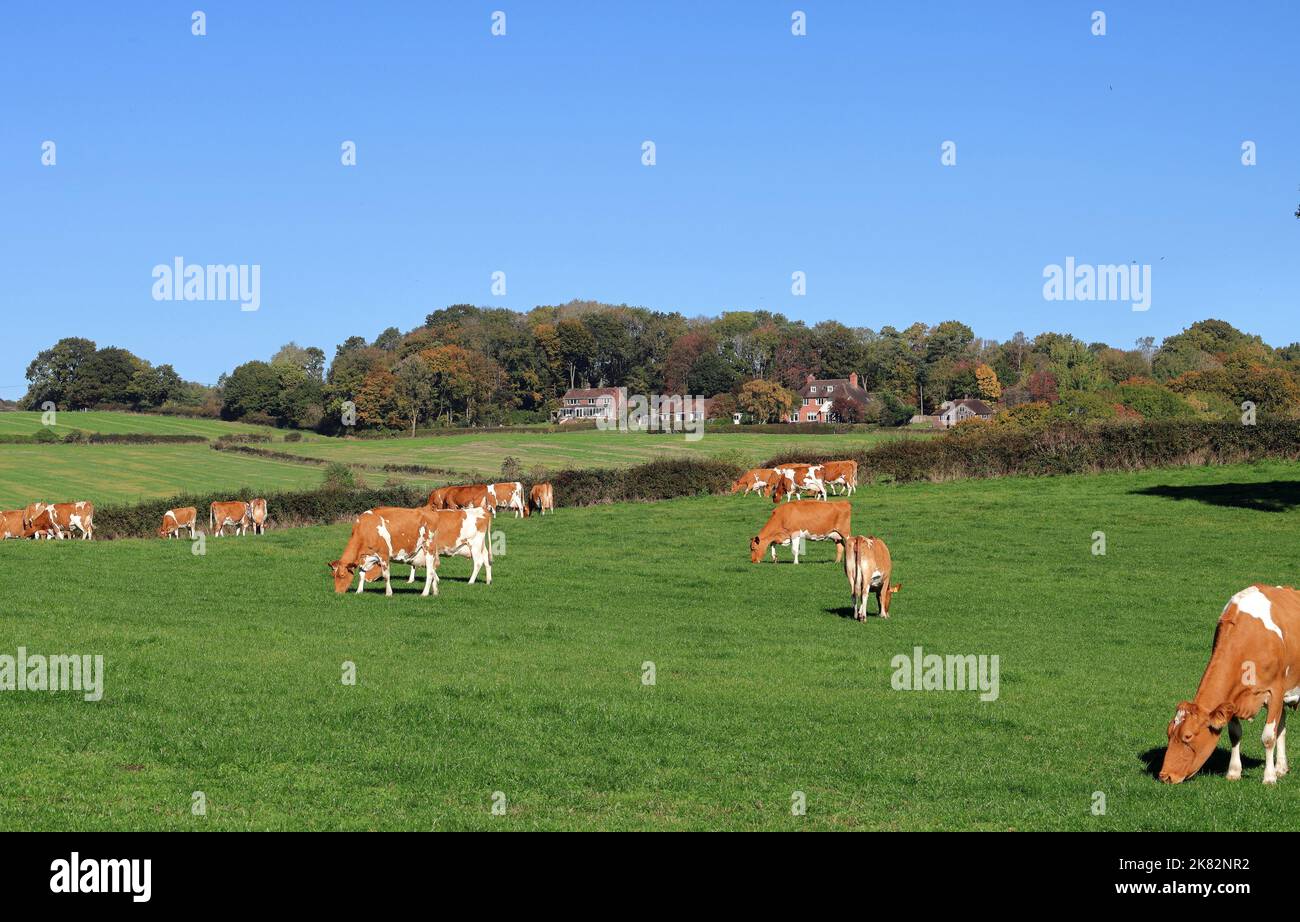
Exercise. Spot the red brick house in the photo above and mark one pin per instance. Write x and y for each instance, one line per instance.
(592, 403)
(817, 395)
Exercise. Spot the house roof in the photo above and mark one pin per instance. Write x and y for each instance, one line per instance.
(841, 385)
(582, 392)
(978, 407)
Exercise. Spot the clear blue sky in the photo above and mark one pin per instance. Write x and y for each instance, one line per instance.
(523, 153)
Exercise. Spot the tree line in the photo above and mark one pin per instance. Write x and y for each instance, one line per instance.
(475, 366)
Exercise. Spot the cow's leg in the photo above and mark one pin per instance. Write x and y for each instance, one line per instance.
(882, 598)
(1234, 737)
(794, 548)
(487, 561)
(1269, 737)
(388, 583)
(1282, 766)
(361, 578)
(415, 563)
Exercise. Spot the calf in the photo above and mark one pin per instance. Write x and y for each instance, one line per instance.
(841, 473)
(511, 496)
(795, 479)
(542, 498)
(1255, 664)
(753, 480)
(257, 515)
(175, 520)
(221, 514)
(460, 533)
(380, 536)
(804, 518)
(867, 565)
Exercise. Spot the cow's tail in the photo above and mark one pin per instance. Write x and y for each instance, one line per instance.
(212, 517)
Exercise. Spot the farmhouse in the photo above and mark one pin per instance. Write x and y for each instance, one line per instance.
(817, 395)
(592, 403)
(951, 412)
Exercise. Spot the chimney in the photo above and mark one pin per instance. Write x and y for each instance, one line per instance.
(853, 379)
(811, 379)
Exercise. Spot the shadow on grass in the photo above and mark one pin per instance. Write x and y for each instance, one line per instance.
(1216, 764)
(1269, 496)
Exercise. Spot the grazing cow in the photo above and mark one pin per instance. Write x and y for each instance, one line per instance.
(175, 520)
(804, 518)
(753, 480)
(795, 479)
(460, 533)
(867, 565)
(841, 473)
(257, 515)
(43, 525)
(380, 536)
(542, 496)
(70, 517)
(469, 496)
(1255, 663)
(11, 524)
(228, 513)
(511, 496)
(32, 511)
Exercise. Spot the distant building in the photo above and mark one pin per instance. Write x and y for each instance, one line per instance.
(592, 403)
(817, 395)
(951, 412)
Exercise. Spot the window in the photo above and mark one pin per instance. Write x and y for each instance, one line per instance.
(830, 388)
(813, 389)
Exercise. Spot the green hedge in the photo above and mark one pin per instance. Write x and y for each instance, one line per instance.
(995, 451)
(80, 437)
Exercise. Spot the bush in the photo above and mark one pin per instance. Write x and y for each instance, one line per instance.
(45, 436)
(242, 438)
(338, 476)
(293, 436)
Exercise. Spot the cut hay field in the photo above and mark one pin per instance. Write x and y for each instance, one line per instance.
(125, 473)
(22, 422)
(481, 454)
(223, 670)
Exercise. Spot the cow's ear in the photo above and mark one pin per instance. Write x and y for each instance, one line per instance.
(331, 565)
(1221, 715)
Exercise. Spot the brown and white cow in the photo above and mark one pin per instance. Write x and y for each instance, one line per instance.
(542, 498)
(234, 512)
(380, 536)
(257, 515)
(792, 480)
(176, 520)
(510, 495)
(11, 524)
(468, 496)
(74, 517)
(842, 474)
(43, 525)
(868, 567)
(460, 533)
(803, 518)
(1255, 664)
(32, 511)
(753, 480)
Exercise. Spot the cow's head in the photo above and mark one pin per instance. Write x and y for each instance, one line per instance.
(163, 530)
(755, 549)
(342, 574)
(1193, 734)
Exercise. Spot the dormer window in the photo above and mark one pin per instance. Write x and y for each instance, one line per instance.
(830, 388)
(813, 389)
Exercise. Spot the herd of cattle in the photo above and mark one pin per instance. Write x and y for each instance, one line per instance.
(866, 558)
(1255, 662)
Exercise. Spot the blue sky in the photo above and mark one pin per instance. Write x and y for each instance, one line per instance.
(522, 153)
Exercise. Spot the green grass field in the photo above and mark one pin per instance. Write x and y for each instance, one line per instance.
(481, 455)
(22, 422)
(126, 473)
(223, 671)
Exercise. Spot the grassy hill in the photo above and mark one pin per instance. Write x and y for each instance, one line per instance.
(223, 670)
(24, 422)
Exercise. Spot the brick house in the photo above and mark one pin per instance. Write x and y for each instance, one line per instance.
(591, 403)
(817, 395)
(951, 412)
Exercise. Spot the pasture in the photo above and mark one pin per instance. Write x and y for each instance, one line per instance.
(25, 422)
(223, 670)
(481, 454)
